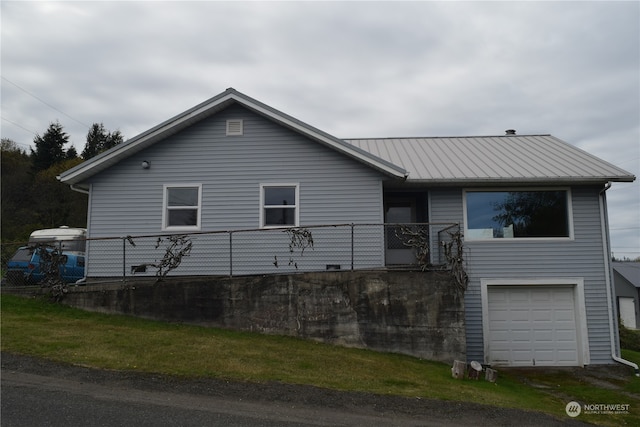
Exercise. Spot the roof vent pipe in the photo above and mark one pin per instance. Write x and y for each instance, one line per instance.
(510, 131)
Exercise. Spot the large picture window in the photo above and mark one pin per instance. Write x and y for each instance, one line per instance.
(279, 205)
(517, 214)
(182, 207)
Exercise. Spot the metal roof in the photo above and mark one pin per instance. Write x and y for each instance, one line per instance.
(629, 270)
(493, 159)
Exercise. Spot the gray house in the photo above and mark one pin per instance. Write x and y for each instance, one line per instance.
(532, 210)
(626, 277)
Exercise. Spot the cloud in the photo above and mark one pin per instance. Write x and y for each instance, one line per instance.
(353, 69)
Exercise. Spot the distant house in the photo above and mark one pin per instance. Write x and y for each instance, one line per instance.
(531, 208)
(626, 276)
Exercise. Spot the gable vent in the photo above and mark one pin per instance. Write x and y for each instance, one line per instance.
(234, 127)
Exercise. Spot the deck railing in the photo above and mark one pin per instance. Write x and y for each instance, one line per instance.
(270, 250)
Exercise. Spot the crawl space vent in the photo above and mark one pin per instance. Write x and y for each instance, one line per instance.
(234, 127)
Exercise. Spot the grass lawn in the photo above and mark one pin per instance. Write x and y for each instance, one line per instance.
(40, 328)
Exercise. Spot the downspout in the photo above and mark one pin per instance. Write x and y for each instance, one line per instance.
(604, 225)
(78, 189)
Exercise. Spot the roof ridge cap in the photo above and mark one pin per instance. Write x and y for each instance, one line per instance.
(448, 137)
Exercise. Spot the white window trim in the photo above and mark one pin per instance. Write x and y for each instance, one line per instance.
(467, 234)
(165, 200)
(296, 206)
(580, 310)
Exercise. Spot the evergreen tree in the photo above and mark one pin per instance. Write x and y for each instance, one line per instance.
(17, 216)
(96, 139)
(99, 140)
(114, 139)
(71, 153)
(49, 147)
(55, 203)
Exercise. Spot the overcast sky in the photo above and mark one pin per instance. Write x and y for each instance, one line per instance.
(352, 69)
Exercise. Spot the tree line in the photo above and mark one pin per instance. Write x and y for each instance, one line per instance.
(32, 197)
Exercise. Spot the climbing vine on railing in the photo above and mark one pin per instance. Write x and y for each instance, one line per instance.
(51, 259)
(299, 238)
(453, 251)
(178, 247)
(416, 238)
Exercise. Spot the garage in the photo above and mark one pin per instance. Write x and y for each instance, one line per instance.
(532, 326)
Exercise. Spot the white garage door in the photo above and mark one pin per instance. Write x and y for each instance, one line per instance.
(532, 326)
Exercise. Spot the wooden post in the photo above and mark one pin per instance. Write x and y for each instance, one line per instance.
(491, 375)
(474, 370)
(458, 369)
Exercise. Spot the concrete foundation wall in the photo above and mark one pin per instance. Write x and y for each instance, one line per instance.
(414, 313)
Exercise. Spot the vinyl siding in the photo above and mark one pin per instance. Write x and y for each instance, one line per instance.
(127, 200)
(445, 208)
(581, 257)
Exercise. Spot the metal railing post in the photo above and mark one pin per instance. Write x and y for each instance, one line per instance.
(230, 253)
(124, 258)
(352, 246)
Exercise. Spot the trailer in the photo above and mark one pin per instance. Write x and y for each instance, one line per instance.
(64, 238)
(28, 267)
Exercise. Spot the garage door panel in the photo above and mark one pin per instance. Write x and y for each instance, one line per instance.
(541, 296)
(567, 335)
(561, 315)
(561, 295)
(518, 298)
(521, 358)
(568, 356)
(519, 335)
(542, 336)
(532, 325)
(501, 336)
(500, 315)
(502, 357)
(541, 314)
(544, 356)
(542, 326)
(519, 315)
(499, 297)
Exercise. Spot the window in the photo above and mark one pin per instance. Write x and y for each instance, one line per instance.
(279, 205)
(22, 255)
(182, 207)
(517, 214)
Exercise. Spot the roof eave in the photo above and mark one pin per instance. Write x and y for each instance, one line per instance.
(137, 143)
(99, 163)
(522, 181)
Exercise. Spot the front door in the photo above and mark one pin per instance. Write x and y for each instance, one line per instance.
(398, 211)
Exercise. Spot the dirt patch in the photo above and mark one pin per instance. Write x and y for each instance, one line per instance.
(604, 376)
(551, 380)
